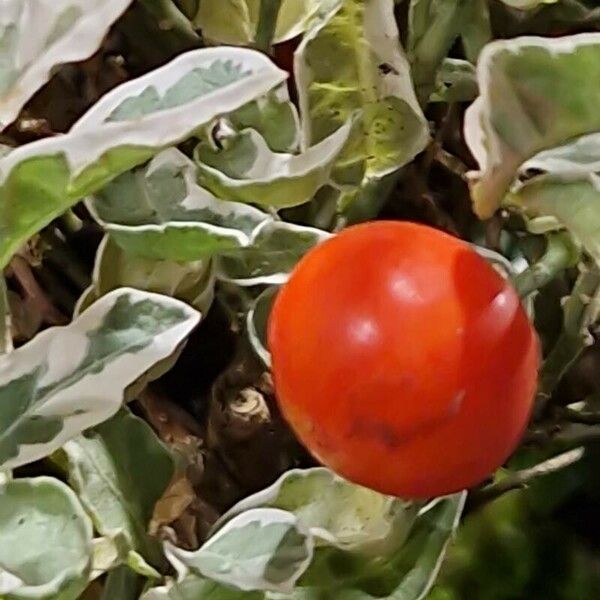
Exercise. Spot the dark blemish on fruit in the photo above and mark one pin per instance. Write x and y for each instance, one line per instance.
(382, 432)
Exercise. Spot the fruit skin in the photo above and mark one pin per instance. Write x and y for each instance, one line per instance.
(403, 360)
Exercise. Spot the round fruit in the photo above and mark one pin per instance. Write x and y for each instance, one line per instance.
(403, 360)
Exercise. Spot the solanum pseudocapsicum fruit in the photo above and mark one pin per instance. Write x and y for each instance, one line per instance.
(403, 360)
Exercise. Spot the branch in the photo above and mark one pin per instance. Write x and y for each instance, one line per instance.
(22, 273)
(170, 18)
(59, 255)
(581, 311)
(561, 253)
(582, 417)
(267, 21)
(6, 344)
(520, 479)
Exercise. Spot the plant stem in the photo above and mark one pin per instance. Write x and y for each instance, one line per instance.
(60, 256)
(6, 344)
(122, 583)
(70, 223)
(561, 253)
(267, 21)
(585, 418)
(23, 274)
(581, 310)
(170, 18)
(520, 479)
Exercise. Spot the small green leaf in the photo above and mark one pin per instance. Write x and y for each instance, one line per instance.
(45, 541)
(259, 549)
(119, 470)
(256, 323)
(192, 282)
(246, 170)
(49, 388)
(274, 117)
(455, 82)
(159, 212)
(574, 200)
(235, 21)
(276, 248)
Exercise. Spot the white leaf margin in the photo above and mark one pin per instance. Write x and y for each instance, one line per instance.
(9, 582)
(275, 278)
(78, 43)
(270, 166)
(478, 131)
(197, 198)
(107, 394)
(92, 136)
(181, 559)
(381, 31)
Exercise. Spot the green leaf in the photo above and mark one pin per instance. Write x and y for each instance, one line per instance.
(405, 574)
(528, 4)
(366, 545)
(119, 470)
(351, 60)
(235, 21)
(574, 200)
(455, 82)
(276, 248)
(128, 126)
(193, 587)
(70, 378)
(536, 93)
(477, 29)
(415, 566)
(45, 541)
(337, 512)
(159, 212)
(192, 282)
(433, 26)
(65, 32)
(246, 170)
(273, 116)
(581, 156)
(256, 323)
(121, 584)
(259, 549)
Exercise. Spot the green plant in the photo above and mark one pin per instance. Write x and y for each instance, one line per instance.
(176, 176)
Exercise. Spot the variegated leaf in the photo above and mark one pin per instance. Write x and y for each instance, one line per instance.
(119, 470)
(161, 213)
(536, 94)
(260, 549)
(70, 378)
(192, 282)
(247, 170)
(38, 35)
(350, 61)
(135, 121)
(45, 541)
